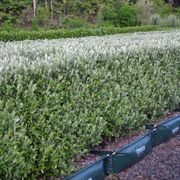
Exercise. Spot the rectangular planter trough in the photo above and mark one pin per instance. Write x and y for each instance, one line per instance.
(123, 158)
(94, 171)
(165, 130)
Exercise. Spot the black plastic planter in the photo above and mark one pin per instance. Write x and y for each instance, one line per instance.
(128, 155)
(94, 171)
(165, 130)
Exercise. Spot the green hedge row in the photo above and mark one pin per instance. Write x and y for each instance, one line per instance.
(55, 34)
(50, 117)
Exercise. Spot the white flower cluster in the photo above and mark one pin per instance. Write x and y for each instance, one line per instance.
(32, 54)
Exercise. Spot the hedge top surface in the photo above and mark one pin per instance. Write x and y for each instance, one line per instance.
(45, 53)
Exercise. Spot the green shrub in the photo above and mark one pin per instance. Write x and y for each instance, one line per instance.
(155, 19)
(43, 16)
(127, 16)
(74, 22)
(145, 9)
(170, 21)
(177, 11)
(35, 25)
(167, 21)
(123, 16)
(41, 136)
(107, 24)
(64, 33)
(162, 8)
(7, 26)
(58, 99)
(110, 16)
(4, 18)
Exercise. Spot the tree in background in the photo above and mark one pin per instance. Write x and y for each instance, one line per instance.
(10, 9)
(83, 13)
(34, 8)
(52, 10)
(145, 9)
(127, 16)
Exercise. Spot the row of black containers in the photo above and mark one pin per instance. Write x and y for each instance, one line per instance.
(122, 158)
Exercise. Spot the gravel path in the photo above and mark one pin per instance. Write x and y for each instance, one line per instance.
(163, 163)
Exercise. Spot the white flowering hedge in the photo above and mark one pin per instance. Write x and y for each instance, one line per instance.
(59, 98)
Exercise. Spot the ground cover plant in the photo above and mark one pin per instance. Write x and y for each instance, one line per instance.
(59, 98)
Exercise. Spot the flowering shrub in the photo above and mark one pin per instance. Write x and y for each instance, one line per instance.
(58, 98)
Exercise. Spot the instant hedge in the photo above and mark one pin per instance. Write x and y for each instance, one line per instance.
(123, 158)
(58, 98)
(66, 33)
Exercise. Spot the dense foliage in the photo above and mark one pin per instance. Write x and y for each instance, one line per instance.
(58, 98)
(78, 32)
(35, 14)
